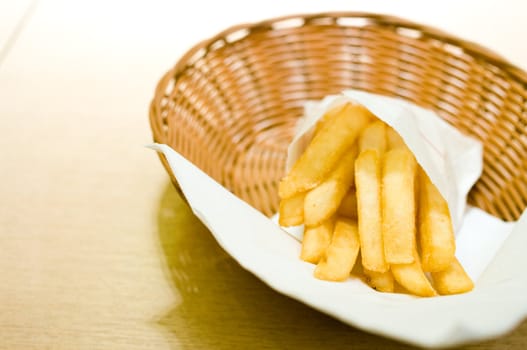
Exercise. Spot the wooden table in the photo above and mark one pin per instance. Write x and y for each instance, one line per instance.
(97, 251)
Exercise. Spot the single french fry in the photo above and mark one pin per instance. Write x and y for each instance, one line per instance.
(335, 137)
(398, 206)
(340, 256)
(348, 205)
(394, 140)
(412, 277)
(435, 231)
(373, 137)
(380, 281)
(291, 211)
(452, 280)
(368, 186)
(327, 116)
(323, 201)
(316, 240)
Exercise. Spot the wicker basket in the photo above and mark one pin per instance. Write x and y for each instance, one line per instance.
(230, 104)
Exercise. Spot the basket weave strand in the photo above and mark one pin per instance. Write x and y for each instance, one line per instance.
(231, 103)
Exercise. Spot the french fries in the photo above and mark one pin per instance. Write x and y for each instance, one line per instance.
(340, 256)
(412, 277)
(380, 281)
(452, 280)
(373, 137)
(368, 184)
(328, 116)
(334, 138)
(398, 206)
(323, 201)
(435, 231)
(393, 139)
(348, 205)
(359, 191)
(292, 211)
(315, 241)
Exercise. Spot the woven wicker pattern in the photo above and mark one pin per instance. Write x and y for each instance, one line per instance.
(231, 102)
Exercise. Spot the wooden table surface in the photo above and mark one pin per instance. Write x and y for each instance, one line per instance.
(97, 251)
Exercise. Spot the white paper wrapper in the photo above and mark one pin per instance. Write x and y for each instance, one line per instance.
(496, 305)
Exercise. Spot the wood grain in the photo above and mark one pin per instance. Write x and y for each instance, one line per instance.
(170, 286)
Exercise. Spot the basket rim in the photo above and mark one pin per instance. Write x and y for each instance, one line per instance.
(369, 18)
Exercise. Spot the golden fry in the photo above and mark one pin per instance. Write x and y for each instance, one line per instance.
(348, 205)
(394, 140)
(323, 201)
(341, 254)
(368, 185)
(292, 211)
(326, 148)
(373, 137)
(412, 277)
(330, 113)
(316, 240)
(435, 231)
(453, 280)
(398, 206)
(380, 281)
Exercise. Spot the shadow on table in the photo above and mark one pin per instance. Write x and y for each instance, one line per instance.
(222, 306)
